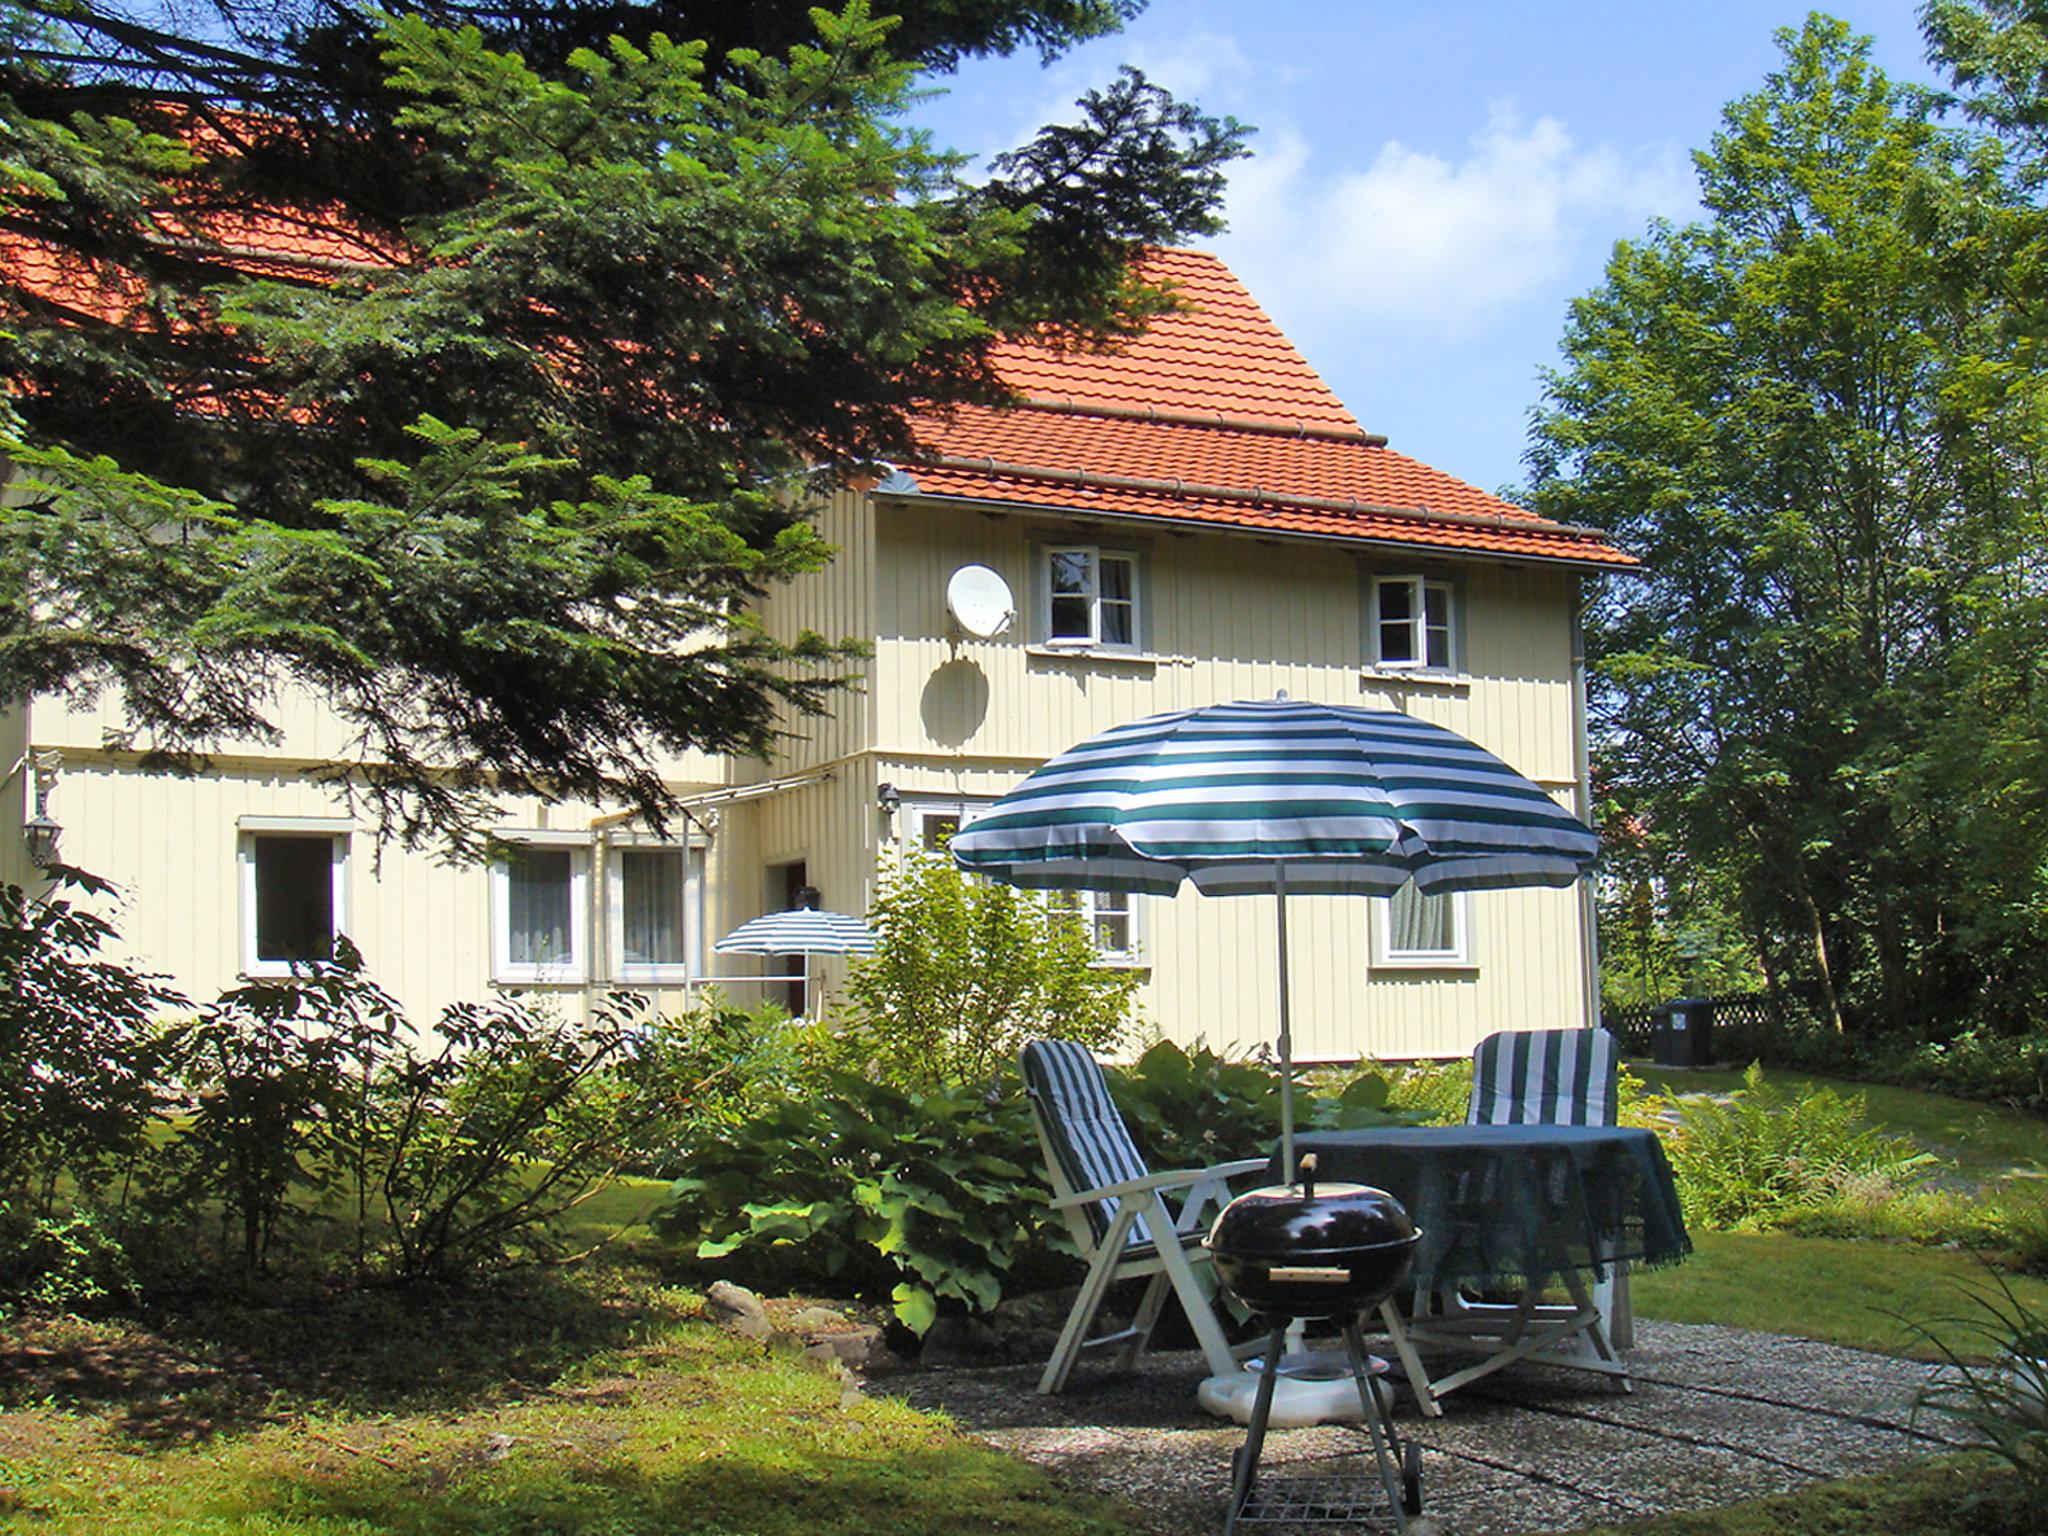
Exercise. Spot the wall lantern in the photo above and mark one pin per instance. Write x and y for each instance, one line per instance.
(40, 832)
(888, 797)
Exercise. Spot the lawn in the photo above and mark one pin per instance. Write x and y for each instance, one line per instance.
(1856, 1294)
(656, 1424)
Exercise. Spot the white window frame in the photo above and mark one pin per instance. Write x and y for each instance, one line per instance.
(1457, 957)
(251, 828)
(916, 812)
(577, 971)
(1419, 588)
(1132, 954)
(1092, 641)
(692, 962)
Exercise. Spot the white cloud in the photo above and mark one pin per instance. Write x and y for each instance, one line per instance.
(1421, 246)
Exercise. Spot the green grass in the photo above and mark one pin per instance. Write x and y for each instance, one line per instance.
(1944, 1498)
(684, 1431)
(1985, 1142)
(1832, 1290)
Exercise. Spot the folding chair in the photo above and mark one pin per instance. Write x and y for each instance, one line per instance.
(1117, 1212)
(1528, 1077)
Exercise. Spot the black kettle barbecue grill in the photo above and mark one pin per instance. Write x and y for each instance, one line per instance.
(1299, 1253)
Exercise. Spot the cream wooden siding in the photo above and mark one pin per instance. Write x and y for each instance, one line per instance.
(839, 604)
(831, 826)
(309, 734)
(1229, 617)
(171, 845)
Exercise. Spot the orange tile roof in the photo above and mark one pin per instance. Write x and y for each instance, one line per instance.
(1212, 416)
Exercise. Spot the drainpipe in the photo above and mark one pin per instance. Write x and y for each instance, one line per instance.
(1582, 767)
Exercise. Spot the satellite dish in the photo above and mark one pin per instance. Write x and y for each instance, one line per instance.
(980, 601)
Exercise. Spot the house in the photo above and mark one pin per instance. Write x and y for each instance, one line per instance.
(1192, 518)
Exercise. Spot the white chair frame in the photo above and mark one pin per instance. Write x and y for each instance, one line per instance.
(1182, 1267)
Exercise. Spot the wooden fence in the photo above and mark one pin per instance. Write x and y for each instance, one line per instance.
(1743, 1023)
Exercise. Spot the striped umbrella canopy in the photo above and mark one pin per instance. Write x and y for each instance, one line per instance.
(1283, 797)
(802, 930)
(799, 931)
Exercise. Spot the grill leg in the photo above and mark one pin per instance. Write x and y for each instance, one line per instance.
(1245, 1467)
(1385, 1448)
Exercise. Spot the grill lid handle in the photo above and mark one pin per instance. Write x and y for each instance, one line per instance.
(1308, 1176)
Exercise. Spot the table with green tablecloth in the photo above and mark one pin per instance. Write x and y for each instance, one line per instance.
(1512, 1208)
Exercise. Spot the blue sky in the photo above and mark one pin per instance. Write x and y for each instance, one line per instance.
(1433, 183)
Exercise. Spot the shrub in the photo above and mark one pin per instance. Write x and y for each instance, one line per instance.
(281, 1078)
(68, 1263)
(1193, 1109)
(736, 1060)
(929, 1198)
(78, 1052)
(1762, 1156)
(447, 1152)
(966, 971)
(1435, 1092)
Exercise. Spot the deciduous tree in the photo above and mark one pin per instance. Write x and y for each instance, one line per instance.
(1812, 415)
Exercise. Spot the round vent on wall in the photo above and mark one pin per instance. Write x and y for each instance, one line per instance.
(980, 601)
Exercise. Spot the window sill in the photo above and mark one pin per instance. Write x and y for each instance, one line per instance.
(1101, 653)
(1403, 677)
(289, 970)
(542, 979)
(1447, 965)
(1119, 963)
(652, 976)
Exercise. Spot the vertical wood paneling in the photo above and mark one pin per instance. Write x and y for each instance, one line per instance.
(1236, 618)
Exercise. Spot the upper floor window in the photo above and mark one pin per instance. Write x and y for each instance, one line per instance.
(539, 913)
(294, 889)
(1091, 596)
(1411, 623)
(1419, 930)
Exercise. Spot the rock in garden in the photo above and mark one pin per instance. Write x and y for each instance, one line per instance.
(737, 1308)
(849, 1345)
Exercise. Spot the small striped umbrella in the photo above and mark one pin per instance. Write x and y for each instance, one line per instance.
(1277, 796)
(802, 931)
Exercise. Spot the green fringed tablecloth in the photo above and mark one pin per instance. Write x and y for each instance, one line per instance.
(1501, 1206)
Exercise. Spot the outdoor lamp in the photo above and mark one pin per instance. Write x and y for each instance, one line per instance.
(888, 797)
(41, 831)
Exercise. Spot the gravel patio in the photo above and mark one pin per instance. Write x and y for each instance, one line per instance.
(1717, 1415)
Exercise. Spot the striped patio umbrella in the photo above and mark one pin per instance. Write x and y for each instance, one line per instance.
(1282, 797)
(802, 931)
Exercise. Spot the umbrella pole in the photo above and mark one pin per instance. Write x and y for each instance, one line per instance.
(1286, 1033)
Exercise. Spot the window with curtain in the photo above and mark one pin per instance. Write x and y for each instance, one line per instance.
(1091, 597)
(540, 917)
(1419, 930)
(652, 890)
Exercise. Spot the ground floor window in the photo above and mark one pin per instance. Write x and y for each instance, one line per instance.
(1110, 917)
(1418, 930)
(539, 914)
(294, 885)
(656, 898)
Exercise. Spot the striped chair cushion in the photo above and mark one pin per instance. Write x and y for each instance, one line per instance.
(1544, 1077)
(1088, 1137)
